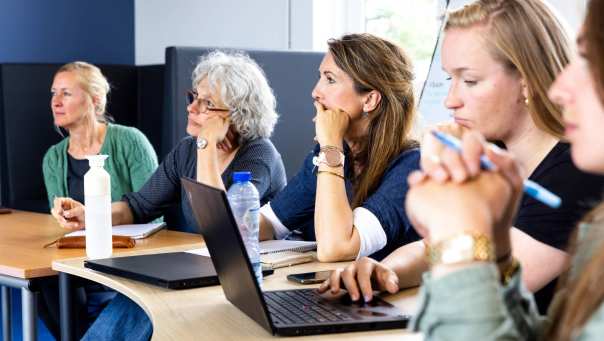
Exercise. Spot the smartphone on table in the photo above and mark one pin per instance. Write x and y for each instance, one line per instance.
(309, 277)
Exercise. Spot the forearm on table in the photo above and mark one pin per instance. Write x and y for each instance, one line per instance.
(337, 239)
(266, 229)
(121, 213)
(409, 263)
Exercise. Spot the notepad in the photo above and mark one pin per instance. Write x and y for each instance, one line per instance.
(276, 254)
(273, 246)
(134, 231)
(285, 258)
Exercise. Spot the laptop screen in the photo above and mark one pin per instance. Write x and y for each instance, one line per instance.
(221, 234)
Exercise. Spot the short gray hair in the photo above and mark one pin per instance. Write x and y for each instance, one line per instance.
(243, 87)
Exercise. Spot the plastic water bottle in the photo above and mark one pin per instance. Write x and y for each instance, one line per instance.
(97, 215)
(245, 204)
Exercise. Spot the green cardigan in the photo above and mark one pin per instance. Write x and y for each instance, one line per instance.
(131, 162)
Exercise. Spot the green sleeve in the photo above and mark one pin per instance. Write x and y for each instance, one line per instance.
(52, 178)
(470, 304)
(142, 161)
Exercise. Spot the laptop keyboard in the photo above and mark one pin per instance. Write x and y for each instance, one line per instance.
(302, 307)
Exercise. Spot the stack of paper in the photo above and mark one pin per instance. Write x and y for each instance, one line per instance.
(134, 231)
(278, 253)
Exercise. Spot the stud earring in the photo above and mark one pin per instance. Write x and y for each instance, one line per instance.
(526, 101)
(364, 114)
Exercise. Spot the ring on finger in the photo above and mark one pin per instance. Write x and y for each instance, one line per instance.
(435, 159)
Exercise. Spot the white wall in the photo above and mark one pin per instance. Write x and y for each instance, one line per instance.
(301, 18)
(259, 24)
(571, 10)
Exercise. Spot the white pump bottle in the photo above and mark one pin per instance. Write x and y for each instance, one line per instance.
(97, 218)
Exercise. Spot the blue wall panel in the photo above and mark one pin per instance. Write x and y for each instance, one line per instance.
(59, 31)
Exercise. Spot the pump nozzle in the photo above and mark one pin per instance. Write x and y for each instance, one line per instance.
(96, 160)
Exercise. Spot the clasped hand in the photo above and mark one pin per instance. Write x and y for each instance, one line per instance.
(453, 195)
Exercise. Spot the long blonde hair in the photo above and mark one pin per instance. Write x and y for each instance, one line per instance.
(526, 37)
(376, 64)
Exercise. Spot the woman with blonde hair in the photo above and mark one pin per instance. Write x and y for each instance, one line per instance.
(490, 49)
(79, 99)
(349, 193)
(490, 302)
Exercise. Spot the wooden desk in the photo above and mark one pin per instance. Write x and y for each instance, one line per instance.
(23, 259)
(204, 313)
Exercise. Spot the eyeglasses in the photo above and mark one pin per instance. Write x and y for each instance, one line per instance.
(204, 104)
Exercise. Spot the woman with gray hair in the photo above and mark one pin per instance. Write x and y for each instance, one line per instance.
(231, 115)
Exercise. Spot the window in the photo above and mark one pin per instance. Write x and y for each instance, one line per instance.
(412, 25)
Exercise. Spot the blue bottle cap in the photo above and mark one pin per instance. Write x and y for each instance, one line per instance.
(242, 176)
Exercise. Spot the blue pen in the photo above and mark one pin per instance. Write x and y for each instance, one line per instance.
(531, 188)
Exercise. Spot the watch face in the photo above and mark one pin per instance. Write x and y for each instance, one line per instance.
(201, 143)
(333, 158)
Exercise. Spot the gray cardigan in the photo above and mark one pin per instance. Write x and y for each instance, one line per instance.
(163, 191)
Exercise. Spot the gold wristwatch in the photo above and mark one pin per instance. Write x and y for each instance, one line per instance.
(462, 248)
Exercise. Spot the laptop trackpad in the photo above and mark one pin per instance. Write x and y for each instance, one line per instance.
(374, 308)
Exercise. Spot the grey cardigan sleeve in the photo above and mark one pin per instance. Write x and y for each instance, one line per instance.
(471, 304)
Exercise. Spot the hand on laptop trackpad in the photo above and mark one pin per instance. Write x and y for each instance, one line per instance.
(375, 302)
(344, 298)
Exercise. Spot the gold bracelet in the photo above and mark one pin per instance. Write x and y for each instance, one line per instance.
(332, 173)
(509, 272)
(328, 147)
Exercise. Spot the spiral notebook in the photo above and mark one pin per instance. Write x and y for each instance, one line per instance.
(134, 231)
(273, 246)
(276, 254)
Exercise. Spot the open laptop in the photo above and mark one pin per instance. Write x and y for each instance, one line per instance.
(284, 312)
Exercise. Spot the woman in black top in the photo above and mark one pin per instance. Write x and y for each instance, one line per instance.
(498, 89)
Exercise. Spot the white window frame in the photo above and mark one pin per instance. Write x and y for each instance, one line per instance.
(334, 18)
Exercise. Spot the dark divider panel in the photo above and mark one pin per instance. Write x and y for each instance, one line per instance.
(28, 130)
(291, 74)
(151, 103)
(3, 160)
